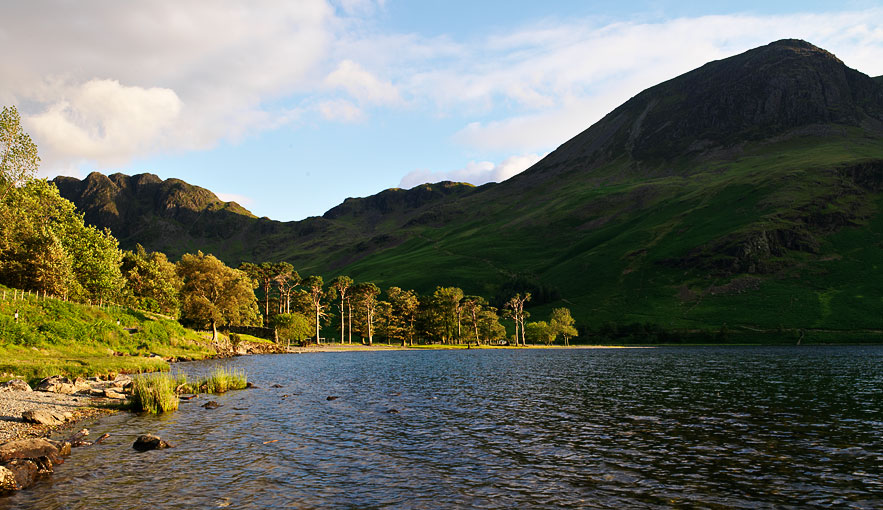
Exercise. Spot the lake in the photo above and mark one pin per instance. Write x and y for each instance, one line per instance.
(708, 427)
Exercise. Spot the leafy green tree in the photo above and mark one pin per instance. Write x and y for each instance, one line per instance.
(404, 305)
(450, 310)
(317, 301)
(18, 154)
(96, 263)
(473, 305)
(215, 295)
(342, 285)
(152, 281)
(562, 323)
(44, 244)
(287, 281)
(489, 325)
(365, 296)
(539, 332)
(293, 326)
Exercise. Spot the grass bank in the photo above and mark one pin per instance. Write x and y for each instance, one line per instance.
(40, 337)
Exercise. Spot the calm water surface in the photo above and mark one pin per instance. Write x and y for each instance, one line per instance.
(739, 427)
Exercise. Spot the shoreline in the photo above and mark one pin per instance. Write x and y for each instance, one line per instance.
(14, 403)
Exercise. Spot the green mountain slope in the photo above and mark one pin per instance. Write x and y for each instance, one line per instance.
(746, 192)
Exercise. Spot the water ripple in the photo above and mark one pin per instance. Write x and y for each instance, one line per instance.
(695, 427)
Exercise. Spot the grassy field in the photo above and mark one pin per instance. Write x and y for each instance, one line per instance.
(53, 337)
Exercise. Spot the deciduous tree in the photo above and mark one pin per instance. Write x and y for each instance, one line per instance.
(18, 154)
(215, 295)
(562, 323)
(292, 326)
(152, 281)
(342, 285)
(365, 295)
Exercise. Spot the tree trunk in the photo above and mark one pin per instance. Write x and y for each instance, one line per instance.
(317, 327)
(350, 322)
(342, 324)
(215, 332)
(370, 329)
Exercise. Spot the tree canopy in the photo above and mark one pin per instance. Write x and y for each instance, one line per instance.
(215, 295)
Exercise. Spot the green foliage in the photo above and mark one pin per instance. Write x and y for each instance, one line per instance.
(293, 326)
(19, 154)
(539, 333)
(155, 393)
(214, 294)
(562, 324)
(152, 282)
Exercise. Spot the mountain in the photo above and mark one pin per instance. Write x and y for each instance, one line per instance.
(746, 192)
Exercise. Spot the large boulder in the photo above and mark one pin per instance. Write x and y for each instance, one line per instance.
(33, 448)
(22, 461)
(46, 417)
(150, 442)
(59, 384)
(15, 385)
(7, 480)
(18, 475)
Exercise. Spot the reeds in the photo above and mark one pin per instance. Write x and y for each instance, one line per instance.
(219, 381)
(155, 393)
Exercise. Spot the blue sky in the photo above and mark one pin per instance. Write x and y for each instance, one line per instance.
(289, 107)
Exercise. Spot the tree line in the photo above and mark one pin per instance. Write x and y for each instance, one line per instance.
(45, 246)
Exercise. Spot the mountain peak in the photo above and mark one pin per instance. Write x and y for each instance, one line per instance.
(762, 93)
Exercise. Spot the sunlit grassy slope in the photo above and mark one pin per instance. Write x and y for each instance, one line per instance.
(666, 250)
(52, 337)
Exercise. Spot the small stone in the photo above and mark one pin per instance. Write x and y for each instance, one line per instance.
(252, 386)
(276, 386)
(150, 442)
(114, 394)
(393, 411)
(41, 417)
(211, 404)
(58, 384)
(15, 385)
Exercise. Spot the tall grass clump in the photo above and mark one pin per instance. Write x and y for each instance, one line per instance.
(155, 393)
(220, 381)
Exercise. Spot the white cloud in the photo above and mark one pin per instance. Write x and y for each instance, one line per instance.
(108, 82)
(475, 172)
(362, 85)
(341, 110)
(540, 85)
(104, 121)
(111, 81)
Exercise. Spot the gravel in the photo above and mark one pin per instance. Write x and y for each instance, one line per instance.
(13, 403)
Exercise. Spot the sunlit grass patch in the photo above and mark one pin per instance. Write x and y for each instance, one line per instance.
(155, 393)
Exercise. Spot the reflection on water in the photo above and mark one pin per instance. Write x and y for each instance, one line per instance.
(645, 428)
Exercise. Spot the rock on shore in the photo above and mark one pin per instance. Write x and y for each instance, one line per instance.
(23, 461)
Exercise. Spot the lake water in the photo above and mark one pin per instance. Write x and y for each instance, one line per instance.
(734, 427)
